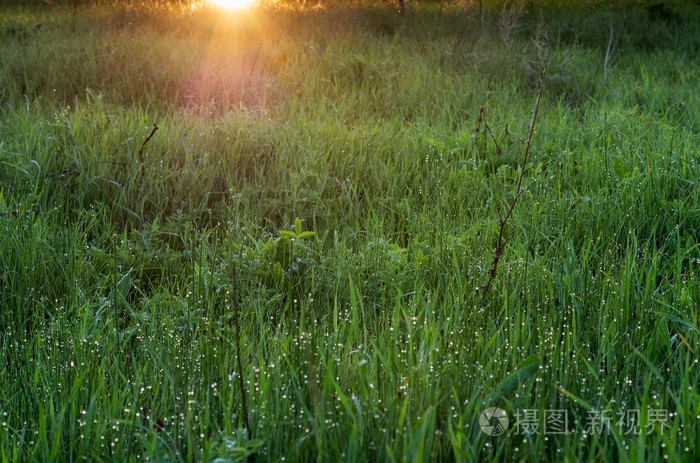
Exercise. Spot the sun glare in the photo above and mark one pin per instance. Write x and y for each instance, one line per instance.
(232, 4)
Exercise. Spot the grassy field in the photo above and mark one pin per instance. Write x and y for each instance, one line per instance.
(339, 158)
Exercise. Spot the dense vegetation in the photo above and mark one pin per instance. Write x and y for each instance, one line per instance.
(339, 157)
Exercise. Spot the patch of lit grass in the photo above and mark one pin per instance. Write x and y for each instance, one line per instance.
(368, 339)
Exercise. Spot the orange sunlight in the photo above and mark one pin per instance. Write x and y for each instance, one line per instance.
(232, 4)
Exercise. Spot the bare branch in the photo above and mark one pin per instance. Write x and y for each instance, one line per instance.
(500, 247)
(145, 142)
(608, 52)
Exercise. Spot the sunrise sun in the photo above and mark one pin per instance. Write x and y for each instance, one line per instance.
(232, 4)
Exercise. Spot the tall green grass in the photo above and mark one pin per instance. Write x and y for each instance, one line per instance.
(368, 339)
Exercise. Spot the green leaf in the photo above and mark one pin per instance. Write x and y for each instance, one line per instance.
(507, 386)
(297, 226)
(576, 399)
(678, 320)
(124, 285)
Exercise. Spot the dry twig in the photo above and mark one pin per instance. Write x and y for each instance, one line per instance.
(145, 142)
(608, 52)
(487, 129)
(518, 191)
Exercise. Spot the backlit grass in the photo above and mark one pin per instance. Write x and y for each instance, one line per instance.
(367, 338)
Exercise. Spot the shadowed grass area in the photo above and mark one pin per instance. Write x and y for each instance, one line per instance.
(333, 154)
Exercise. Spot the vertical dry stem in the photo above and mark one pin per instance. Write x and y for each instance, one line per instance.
(501, 240)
